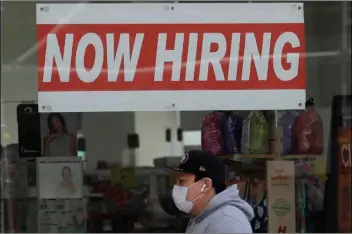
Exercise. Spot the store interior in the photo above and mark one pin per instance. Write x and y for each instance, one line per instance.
(118, 168)
(118, 196)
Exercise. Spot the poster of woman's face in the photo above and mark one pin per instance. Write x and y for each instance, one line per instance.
(59, 131)
(58, 179)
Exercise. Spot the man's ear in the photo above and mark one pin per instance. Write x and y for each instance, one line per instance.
(207, 185)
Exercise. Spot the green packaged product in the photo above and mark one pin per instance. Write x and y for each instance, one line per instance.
(255, 134)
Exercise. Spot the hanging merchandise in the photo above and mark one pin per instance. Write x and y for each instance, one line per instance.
(300, 208)
(232, 132)
(314, 186)
(307, 131)
(211, 133)
(221, 133)
(255, 134)
(309, 198)
(260, 207)
(286, 120)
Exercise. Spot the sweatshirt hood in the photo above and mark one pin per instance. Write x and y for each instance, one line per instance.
(229, 196)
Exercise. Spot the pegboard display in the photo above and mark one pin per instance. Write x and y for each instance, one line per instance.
(62, 215)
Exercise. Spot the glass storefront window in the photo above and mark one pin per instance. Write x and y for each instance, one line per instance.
(102, 170)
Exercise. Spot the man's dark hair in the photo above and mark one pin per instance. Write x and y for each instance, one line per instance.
(218, 188)
(204, 164)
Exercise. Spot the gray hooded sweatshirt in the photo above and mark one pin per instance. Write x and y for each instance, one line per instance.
(225, 213)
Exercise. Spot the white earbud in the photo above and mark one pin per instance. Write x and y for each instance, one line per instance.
(203, 188)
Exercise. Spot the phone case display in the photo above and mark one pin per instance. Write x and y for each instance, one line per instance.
(307, 131)
(59, 133)
(255, 134)
(62, 215)
(60, 177)
(281, 196)
(286, 120)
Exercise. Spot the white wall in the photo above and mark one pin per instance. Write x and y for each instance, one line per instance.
(106, 135)
(151, 127)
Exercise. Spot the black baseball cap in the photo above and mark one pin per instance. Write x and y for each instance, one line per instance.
(203, 164)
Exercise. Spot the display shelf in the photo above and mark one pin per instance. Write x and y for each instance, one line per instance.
(258, 156)
(98, 172)
(300, 156)
(247, 156)
(32, 192)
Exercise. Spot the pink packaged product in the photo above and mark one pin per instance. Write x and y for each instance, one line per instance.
(212, 134)
(307, 131)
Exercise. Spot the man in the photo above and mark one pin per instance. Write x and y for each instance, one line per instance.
(201, 191)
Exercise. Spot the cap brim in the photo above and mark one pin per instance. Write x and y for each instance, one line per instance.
(175, 169)
(180, 170)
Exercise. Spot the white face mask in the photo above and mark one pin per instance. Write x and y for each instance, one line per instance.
(179, 195)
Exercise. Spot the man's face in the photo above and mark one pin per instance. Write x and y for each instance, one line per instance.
(194, 188)
(185, 179)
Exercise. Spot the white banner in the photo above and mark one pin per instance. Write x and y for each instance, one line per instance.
(157, 57)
